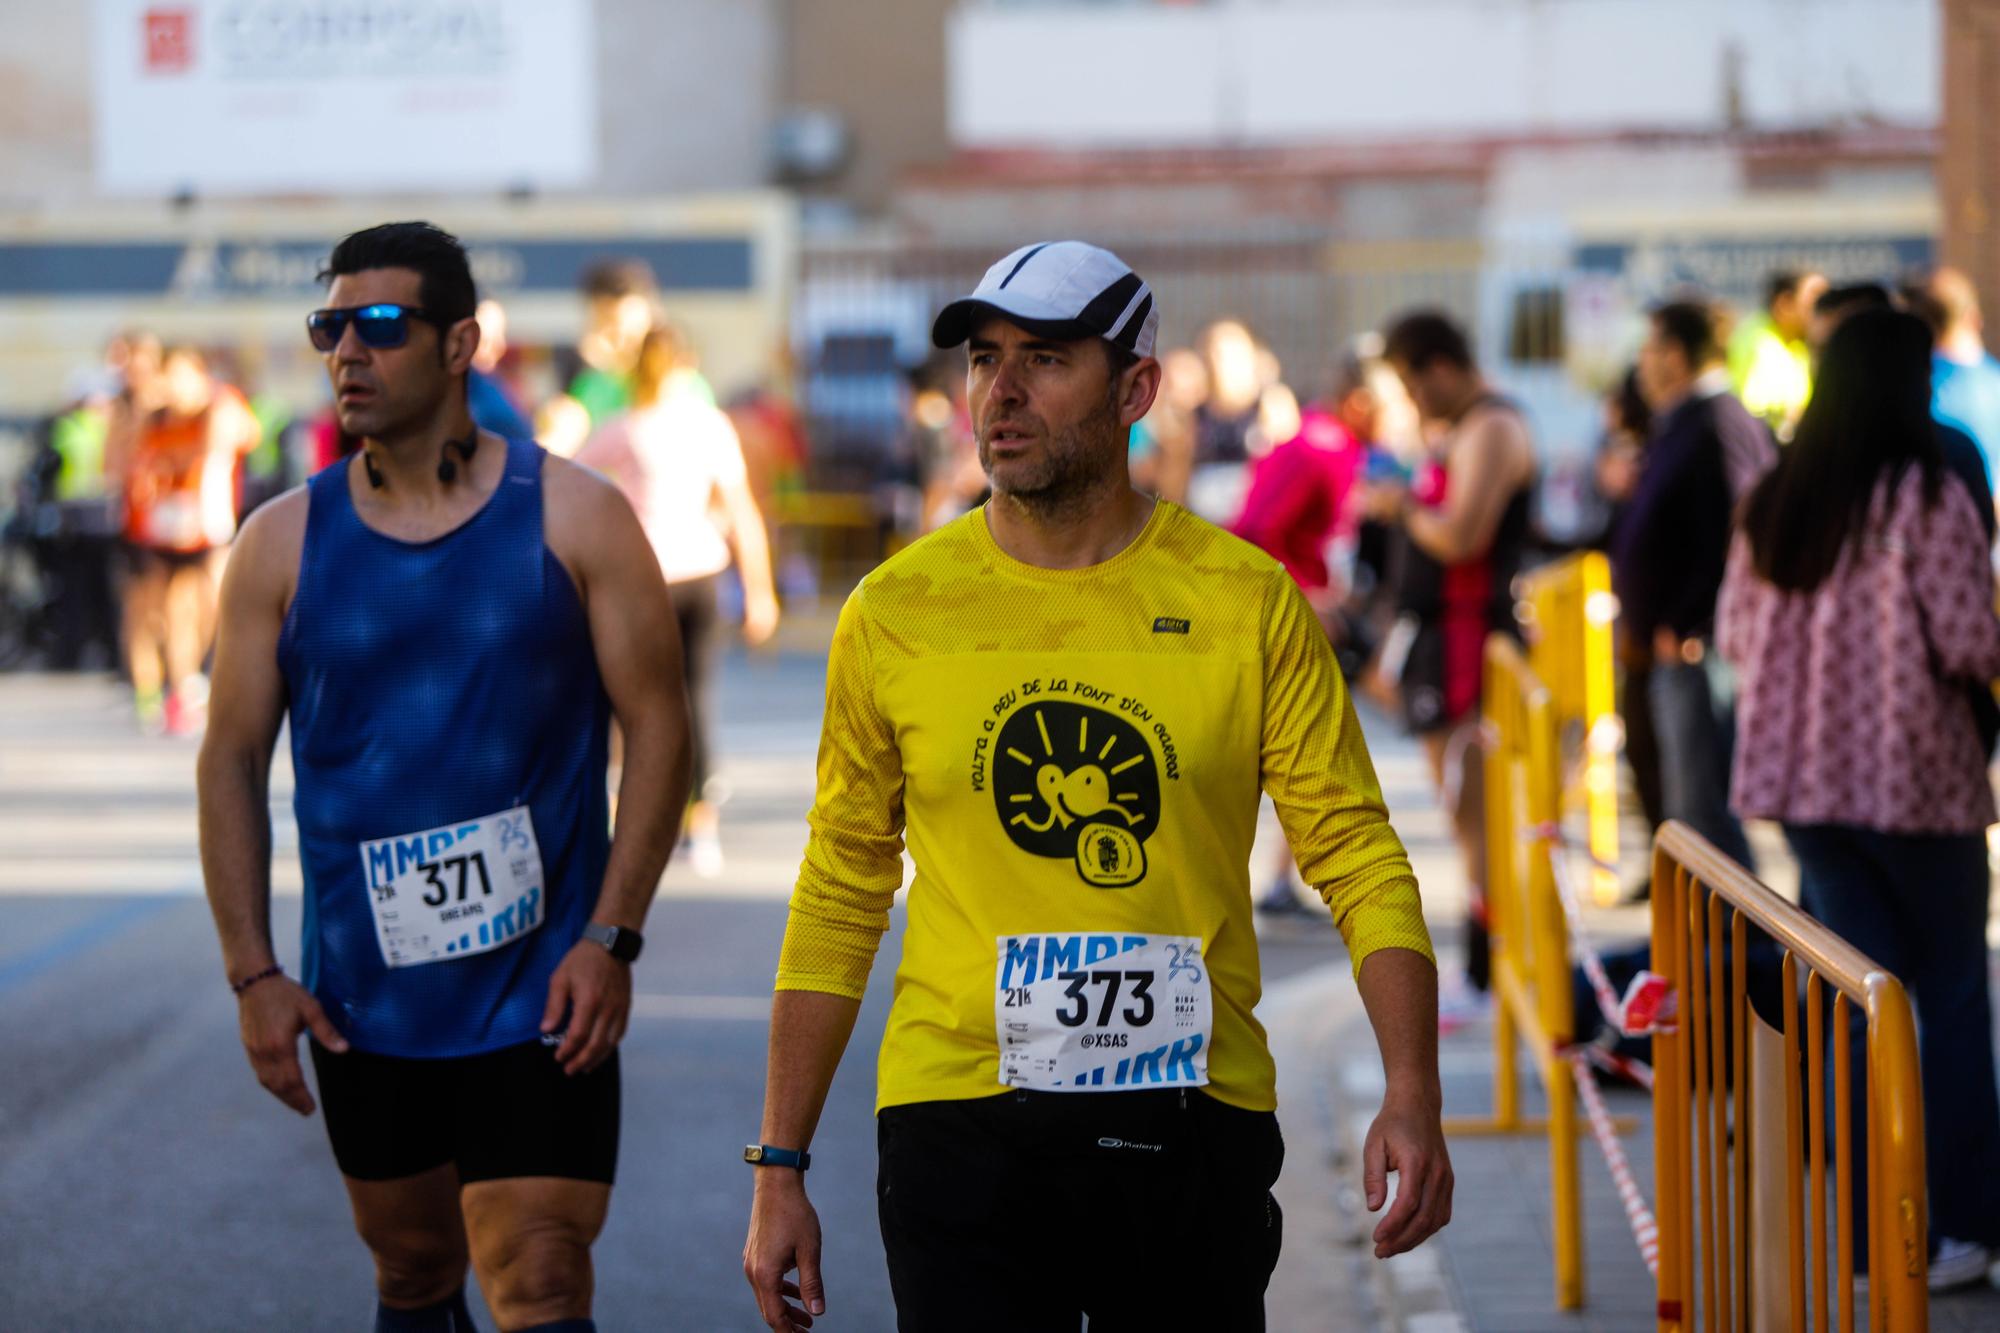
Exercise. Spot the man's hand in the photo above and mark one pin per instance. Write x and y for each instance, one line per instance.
(784, 1234)
(1382, 501)
(272, 1014)
(595, 989)
(1408, 1139)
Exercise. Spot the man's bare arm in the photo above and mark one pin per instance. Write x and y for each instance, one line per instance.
(246, 707)
(1489, 461)
(809, 1033)
(637, 643)
(232, 777)
(1399, 988)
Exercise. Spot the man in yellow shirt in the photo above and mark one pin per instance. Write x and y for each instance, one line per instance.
(1770, 365)
(1067, 702)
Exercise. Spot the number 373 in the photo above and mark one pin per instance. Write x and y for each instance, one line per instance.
(1138, 1013)
(434, 871)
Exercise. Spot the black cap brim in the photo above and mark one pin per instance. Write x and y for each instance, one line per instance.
(956, 322)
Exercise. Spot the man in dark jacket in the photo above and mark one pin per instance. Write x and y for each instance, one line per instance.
(1667, 560)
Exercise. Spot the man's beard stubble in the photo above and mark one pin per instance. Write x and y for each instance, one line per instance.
(1077, 464)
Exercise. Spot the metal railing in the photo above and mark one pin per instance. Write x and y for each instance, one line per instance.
(1703, 906)
(1569, 613)
(1533, 999)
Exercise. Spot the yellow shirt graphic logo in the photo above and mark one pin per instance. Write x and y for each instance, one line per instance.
(1077, 782)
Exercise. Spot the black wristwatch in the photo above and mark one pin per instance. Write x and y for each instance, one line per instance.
(763, 1154)
(618, 941)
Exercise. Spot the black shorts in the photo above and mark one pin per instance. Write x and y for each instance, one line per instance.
(504, 1114)
(1027, 1211)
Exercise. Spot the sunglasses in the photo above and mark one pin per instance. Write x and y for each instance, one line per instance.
(380, 326)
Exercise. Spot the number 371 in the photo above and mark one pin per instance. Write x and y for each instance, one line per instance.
(439, 894)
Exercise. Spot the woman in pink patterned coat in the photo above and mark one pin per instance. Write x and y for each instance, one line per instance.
(1858, 608)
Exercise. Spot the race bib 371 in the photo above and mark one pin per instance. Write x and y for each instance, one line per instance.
(456, 890)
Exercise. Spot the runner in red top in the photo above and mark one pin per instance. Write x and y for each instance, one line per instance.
(1297, 511)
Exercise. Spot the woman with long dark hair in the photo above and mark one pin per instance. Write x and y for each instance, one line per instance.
(1858, 608)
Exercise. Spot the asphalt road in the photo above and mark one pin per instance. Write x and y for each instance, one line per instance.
(147, 1182)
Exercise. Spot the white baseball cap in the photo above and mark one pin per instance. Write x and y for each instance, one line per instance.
(1058, 289)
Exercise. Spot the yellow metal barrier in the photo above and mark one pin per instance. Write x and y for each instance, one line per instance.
(1569, 612)
(840, 535)
(1531, 971)
(1702, 1107)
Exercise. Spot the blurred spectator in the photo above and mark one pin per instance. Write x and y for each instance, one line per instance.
(180, 514)
(77, 541)
(1770, 365)
(1965, 378)
(1297, 511)
(1628, 422)
(1859, 607)
(1296, 507)
(621, 304)
(1837, 303)
(492, 402)
(1962, 455)
(1464, 524)
(773, 433)
(1667, 559)
(677, 459)
(1163, 443)
(1235, 421)
(947, 452)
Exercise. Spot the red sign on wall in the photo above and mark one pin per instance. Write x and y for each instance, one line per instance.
(169, 40)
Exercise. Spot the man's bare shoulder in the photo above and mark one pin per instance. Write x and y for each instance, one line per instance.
(585, 517)
(265, 556)
(579, 490)
(1495, 427)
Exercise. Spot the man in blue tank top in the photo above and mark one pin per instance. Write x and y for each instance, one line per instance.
(450, 620)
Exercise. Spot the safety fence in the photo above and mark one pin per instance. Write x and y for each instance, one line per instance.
(1736, 1183)
(1568, 610)
(1741, 1121)
(1531, 976)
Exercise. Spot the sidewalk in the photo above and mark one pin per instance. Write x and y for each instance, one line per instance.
(1493, 1269)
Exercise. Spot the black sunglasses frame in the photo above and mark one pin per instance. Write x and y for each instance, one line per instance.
(331, 323)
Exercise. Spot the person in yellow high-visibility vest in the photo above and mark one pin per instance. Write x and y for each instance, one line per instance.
(1770, 364)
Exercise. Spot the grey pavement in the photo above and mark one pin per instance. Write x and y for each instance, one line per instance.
(146, 1182)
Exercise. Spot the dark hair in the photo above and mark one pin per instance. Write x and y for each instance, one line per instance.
(613, 278)
(1422, 336)
(1119, 357)
(1869, 421)
(1635, 414)
(1782, 283)
(662, 351)
(1853, 298)
(1691, 325)
(1917, 299)
(445, 290)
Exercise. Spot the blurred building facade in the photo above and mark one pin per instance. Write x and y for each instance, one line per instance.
(1309, 165)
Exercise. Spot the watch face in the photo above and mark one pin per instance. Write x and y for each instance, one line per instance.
(625, 944)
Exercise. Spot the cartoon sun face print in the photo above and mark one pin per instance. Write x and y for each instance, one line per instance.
(1080, 784)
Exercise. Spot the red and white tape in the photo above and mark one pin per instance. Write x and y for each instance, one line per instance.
(1645, 1228)
(1648, 1003)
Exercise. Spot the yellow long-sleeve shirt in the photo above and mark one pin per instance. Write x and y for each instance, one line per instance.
(1075, 757)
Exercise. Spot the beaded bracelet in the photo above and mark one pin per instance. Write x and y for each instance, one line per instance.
(238, 987)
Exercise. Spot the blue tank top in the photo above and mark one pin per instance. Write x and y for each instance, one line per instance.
(448, 740)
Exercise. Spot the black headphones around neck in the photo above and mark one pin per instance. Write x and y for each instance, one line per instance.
(447, 470)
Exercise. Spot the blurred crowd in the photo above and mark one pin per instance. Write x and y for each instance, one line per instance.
(1799, 514)
(132, 499)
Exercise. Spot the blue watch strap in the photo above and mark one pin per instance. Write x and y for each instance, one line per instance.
(763, 1154)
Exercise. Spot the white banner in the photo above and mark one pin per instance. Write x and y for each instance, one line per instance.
(329, 96)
